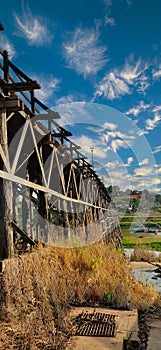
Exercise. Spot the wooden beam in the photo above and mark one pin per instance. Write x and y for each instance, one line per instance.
(23, 234)
(13, 103)
(33, 185)
(6, 66)
(61, 134)
(25, 86)
(18, 72)
(6, 232)
(46, 116)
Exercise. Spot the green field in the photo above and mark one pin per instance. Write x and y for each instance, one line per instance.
(131, 239)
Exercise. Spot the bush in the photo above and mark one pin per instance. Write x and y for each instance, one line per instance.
(38, 289)
(142, 253)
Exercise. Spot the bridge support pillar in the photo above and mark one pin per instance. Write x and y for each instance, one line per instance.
(6, 231)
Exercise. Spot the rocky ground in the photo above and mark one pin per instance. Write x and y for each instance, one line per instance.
(145, 321)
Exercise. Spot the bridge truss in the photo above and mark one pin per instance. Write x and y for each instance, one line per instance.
(49, 192)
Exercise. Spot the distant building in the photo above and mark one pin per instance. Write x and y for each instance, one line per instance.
(136, 194)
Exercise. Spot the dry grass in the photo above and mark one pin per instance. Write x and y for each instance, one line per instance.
(39, 287)
(144, 254)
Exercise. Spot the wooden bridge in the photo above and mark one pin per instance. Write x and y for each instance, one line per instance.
(49, 192)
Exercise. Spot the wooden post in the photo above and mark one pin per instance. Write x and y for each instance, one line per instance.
(26, 218)
(6, 231)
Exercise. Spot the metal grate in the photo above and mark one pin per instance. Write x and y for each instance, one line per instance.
(95, 324)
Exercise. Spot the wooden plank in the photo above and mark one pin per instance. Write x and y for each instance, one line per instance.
(43, 106)
(6, 232)
(4, 158)
(19, 72)
(61, 134)
(23, 86)
(11, 103)
(46, 116)
(38, 154)
(21, 142)
(33, 185)
(23, 234)
(6, 66)
(51, 166)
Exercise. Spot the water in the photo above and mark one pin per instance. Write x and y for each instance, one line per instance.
(146, 275)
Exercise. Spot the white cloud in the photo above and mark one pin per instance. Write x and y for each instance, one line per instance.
(159, 170)
(142, 132)
(113, 164)
(156, 109)
(118, 134)
(86, 143)
(130, 160)
(142, 171)
(118, 143)
(5, 44)
(110, 126)
(138, 109)
(49, 84)
(83, 53)
(107, 3)
(121, 81)
(144, 161)
(157, 149)
(157, 73)
(156, 181)
(67, 99)
(134, 73)
(151, 123)
(109, 20)
(33, 28)
(112, 87)
(143, 85)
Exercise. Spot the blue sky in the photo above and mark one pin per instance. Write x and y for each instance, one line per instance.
(99, 64)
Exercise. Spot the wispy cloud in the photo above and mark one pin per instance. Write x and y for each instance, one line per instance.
(5, 44)
(117, 133)
(67, 99)
(143, 171)
(107, 3)
(157, 149)
(156, 109)
(156, 73)
(134, 73)
(144, 161)
(120, 143)
(33, 28)
(152, 123)
(111, 86)
(121, 81)
(86, 143)
(49, 84)
(110, 126)
(141, 107)
(142, 132)
(108, 20)
(83, 52)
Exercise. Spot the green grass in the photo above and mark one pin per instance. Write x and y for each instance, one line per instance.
(151, 242)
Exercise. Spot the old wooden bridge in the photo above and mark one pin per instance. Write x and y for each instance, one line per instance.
(49, 192)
